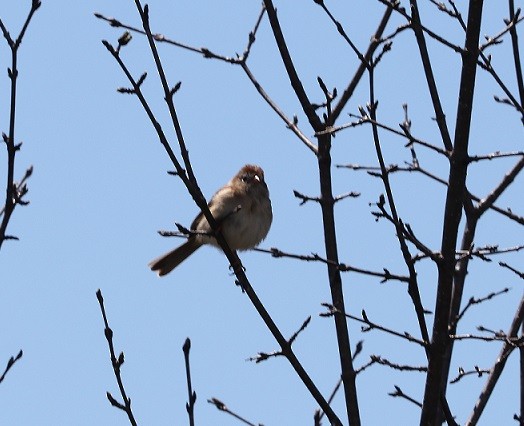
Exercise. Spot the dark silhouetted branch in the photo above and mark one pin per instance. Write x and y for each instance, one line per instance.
(12, 361)
(116, 363)
(498, 367)
(14, 191)
(222, 407)
(191, 394)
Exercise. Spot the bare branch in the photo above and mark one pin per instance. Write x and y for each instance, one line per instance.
(513, 15)
(383, 361)
(14, 191)
(263, 356)
(462, 373)
(238, 60)
(300, 92)
(12, 361)
(494, 155)
(314, 257)
(473, 301)
(497, 192)
(371, 325)
(342, 32)
(498, 367)
(398, 393)
(222, 407)
(351, 194)
(350, 89)
(191, 394)
(516, 271)
(305, 198)
(116, 364)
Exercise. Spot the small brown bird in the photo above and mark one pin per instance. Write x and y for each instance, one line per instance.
(242, 209)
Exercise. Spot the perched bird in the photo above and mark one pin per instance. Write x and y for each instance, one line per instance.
(242, 209)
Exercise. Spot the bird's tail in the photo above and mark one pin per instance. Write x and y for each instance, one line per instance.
(166, 263)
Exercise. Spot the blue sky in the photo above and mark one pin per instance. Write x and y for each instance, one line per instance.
(100, 192)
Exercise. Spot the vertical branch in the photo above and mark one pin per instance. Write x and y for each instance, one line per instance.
(413, 289)
(473, 215)
(116, 364)
(10, 199)
(521, 353)
(452, 217)
(328, 218)
(459, 280)
(191, 394)
(14, 191)
(516, 51)
(430, 77)
(335, 280)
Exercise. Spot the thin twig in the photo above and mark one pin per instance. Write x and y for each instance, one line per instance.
(14, 191)
(343, 267)
(116, 363)
(372, 325)
(359, 73)
(462, 373)
(191, 394)
(12, 361)
(342, 32)
(494, 155)
(393, 168)
(398, 393)
(498, 367)
(383, 361)
(473, 301)
(512, 269)
(241, 60)
(305, 198)
(263, 356)
(222, 407)
(516, 51)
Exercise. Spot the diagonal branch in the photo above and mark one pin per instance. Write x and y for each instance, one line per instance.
(224, 408)
(12, 361)
(241, 60)
(487, 202)
(348, 92)
(290, 67)
(497, 368)
(416, 25)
